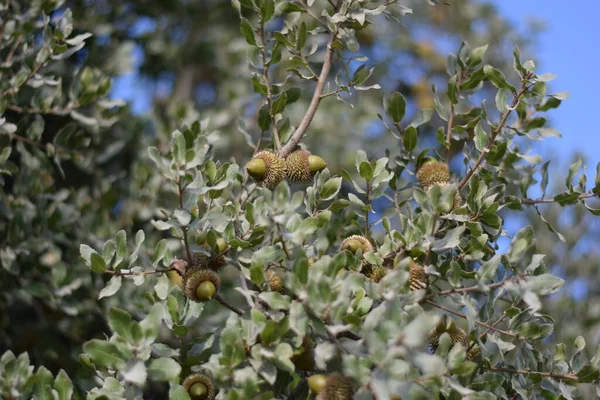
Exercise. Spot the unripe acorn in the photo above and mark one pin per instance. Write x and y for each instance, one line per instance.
(267, 167)
(355, 242)
(333, 387)
(175, 278)
(301, 166)
(215, 262)
(417, 278)
(201, 284)
(199, 387)
(275, 279)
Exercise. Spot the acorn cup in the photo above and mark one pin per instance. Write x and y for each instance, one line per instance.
(275, 279)
(216, 262)
(447, 325)
(201, 284)
(332, 387)
(267, 167)
(417, 278)
(301, 166)
(199, 387)
(355, 242)
(377, 273)
(434, 172)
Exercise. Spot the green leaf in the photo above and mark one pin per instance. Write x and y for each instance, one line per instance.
(409, 138)
(163, 369)
(179, 147)
(63, 386)
(267, 10)
(120, 322)
(572, 171)
(248, 31)
(279, 104)
(588, 373)
(112, 287)
(264, 118)
(423, 116)
(104, 354)
(488, 270)
(330, 189)
(497, 78)
(121, 240)
(396, 107)
(178, 392)
(98, 263)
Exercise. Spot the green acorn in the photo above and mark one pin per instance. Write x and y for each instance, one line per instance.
(417, 278)
(332, 387)
(301, 166)
(216, 262)
(201, 284)
(267, 167)
(432, 172)
(199, 387)
(355, 242)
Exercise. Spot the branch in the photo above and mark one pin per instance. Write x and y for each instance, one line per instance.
(495, 133)
(547, 201)
(59, 149)
(184, 229)
(226, 304)
(314, 103)
(15, 89)
(450, 122)
(470, 289)
(572, 377)
(263, 53)
(458, 314)
(129, 272)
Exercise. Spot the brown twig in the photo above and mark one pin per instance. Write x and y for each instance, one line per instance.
(15, 89)
(314, 103)
(546, 201)
(470, 289)
(226, 304)
(572, 377)
(495, 133)
(129, 272)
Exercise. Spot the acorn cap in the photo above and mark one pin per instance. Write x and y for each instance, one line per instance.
(432, 172)
(216, 262)
(447, 325)
(192, 386)
(271, 173)
(417, 278)
(298, 167)
(275, 279)
(192, 284)
(338, 388)
(473, 352)
(377, 273)
(355, 242)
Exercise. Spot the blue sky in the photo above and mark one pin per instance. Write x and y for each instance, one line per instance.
(568, 49)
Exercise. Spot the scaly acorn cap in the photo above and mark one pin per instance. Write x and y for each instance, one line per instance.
(305, 359)
(216, 262)
(338, 388)
(199, 387)
(301, 166)
(447, 325)
(432, 172)
(417, 278)
(355, 242)
(377, 273)
(473, 352)
(275, 279)
(200, 284)
(267, 167)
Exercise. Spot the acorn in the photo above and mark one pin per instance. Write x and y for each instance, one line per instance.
(267, 167)
(333, 387)
(432, 172)
(200, 284)
(355, 242)
(301, 166)
(473, 352)
(275, 279)
(216, 262)
(199, 387)
(417, 278)
(305, 359)
(447, 325)
(377, 273)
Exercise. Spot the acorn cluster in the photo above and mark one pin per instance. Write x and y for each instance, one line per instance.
(457, 335)
(201, 279)
(433, 172)
(269, 168)
(199, 387)
(332, 387)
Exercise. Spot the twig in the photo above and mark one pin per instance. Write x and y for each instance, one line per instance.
(470, 289)
(184, 228)
(546, 201)
(495, 133)
(263, 53)
(226, 304)
(450, 122)
(285, 249)
(572, 377)
(129, 272)
(314, 103)
(458, 314)
(368, 194)
(15, 89)
(59, 149)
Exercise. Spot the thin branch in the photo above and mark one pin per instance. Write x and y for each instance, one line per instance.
(471, 289)
(368, 195)
(572, 377)
(226, 304)
(495, 133)
(314, 103)
(547, 201)
(312, 14)
(59, 149)
(130, 272)
(15, 89)
(458, 314)
(450, 123)
(282, 241)
(263, 53)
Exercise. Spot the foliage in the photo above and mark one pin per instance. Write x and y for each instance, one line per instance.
(63, 142)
